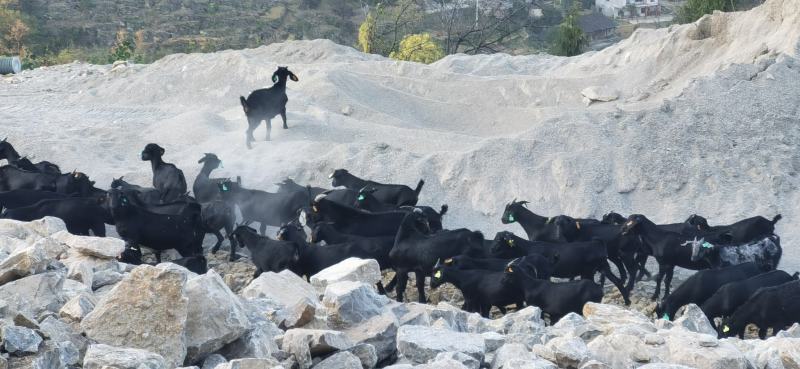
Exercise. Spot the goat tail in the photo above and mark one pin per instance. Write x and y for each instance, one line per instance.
(419, 187)
(244, 104)
(443, 210)
(776, 219)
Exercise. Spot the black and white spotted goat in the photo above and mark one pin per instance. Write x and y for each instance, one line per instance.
(766, 253)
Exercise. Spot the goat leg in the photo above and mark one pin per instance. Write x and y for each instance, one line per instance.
(421, 287)
(668, 281)
(269, 129)
(283, 116)
(219, 242)
(402, 281)
(659, 278)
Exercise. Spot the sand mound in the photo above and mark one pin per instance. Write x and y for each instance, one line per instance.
(707, 122)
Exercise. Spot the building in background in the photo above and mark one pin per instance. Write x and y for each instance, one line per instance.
(597, 26)
(628, 8)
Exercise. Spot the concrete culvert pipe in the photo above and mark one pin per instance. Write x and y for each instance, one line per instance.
(10, 64)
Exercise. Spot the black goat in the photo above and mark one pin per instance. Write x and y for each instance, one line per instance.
(390, 194)
(482, 289)
(347, 219)
(273, 209)
(147, 195)
(732, 295)
(366, 200)
(701, 285)
(167, 178)
(266, 103)
(8, 152)
(770, 307)
(743, 231)
(665, 247)
(538, 228)
(79, 214)
(196, 264)
(288, 185)
(555, 299)
(267, 254)
(344, 196)
(417, 251)
(584, 259)
(206, 189)
(182, 231)
(766, 253)
(21, 198)
(12, 178)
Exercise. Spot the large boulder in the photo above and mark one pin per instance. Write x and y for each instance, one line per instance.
(516, 355)
(702, 351)
(365, 353)
(285, 287)
(353, 269)
(20, 340)
(99, 247)
(340, 360)
(350, 303)
(146, 310)
(81, 271)
(259, 340)
(694, 320)
(305, 344)
(31, 231)
(421, 344)
(103, 356)
(599, 93)
(34, 294)
(467, 361)
(215, 316)
(609, 319)
(574, 325)
(568, 352)
(22, 263)
(250, 363)
(627, 351)
(775, 353)
(58, 331)
(379, 331)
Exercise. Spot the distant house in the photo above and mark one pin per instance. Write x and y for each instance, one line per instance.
(628, 8)
(597, 26)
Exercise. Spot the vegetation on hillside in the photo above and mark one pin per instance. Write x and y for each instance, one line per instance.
(569, 39)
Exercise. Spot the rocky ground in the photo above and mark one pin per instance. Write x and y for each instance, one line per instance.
(67, 303)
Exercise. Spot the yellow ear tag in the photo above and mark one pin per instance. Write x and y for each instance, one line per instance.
(510, 270)
(511, 243)
(448, 261)
(315, 209)
(726, 329)
(438, 274)
(578, 225)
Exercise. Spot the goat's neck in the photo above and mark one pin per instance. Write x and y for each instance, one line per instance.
(250, 240)
(205, 172)
(407, 229)
(155, 163)
(526, 217)
(651, 234)
(10, 154)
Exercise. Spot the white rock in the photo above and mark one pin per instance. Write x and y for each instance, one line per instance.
(34, 294)
(104, 357)
(213, 360)
(516, 355)
(600, 93)
(467, 361)
(286, 288)
(340, 360)
(625, 351)
(99, 247)
(692, 349)
(20, 340)
(775, 353)
(146, 310)
(568, 352)
(366, 354)
(380, 332)
(352, 269)
(215, 316)
(791, 332)
(250, 363)
(81, 271)
(350, 303)
(574, 325)
(609, 319)
(307, 343)
(22, 263)
(104, 278)
(421, 344)
(693, 319)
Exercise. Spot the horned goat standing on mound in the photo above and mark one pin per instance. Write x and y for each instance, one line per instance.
(266, 103)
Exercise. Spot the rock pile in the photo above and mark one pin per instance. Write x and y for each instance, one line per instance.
(54, 314)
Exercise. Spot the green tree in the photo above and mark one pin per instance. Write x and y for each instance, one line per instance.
(420, 48)
(569, 39)
(695, 9)
(123, 47)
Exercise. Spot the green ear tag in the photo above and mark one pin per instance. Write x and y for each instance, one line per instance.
(224, 187)
(438, 274)
(665, 317)
(708, 245)
(511, 218)
(360, 197)
(274, 79)
(726, 329)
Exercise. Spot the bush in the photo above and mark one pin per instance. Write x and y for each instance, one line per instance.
(695, 9)
(123, 48)
(419, 48)
(569, 39)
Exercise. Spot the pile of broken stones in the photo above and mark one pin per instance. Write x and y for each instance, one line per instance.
(66, 302)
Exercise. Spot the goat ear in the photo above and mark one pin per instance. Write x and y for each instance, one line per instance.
(293, 77)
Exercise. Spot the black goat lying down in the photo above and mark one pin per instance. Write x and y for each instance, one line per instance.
(390, 194)
(732, 295)
(770, 307)
(702, 285)
(137, 225)
(584, 259)
(80, 214)
(482, 289)
(555, 299)
(417, 251)
(766, 253)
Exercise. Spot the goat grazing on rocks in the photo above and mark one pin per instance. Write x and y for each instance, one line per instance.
(770, 307)
(266, 103)
(167, 178)
(732, 295)
(390, 194)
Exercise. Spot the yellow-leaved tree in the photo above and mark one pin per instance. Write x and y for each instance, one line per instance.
(419, 47)
(366, 33)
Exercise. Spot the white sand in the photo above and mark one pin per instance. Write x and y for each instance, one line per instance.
(708, 122)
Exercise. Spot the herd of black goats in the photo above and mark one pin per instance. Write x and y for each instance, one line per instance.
(737, 279)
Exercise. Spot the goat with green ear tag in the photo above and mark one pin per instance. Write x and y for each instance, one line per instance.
(266, 103)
